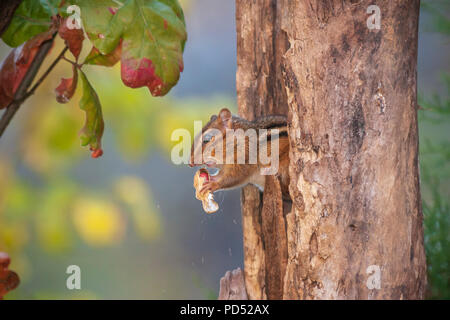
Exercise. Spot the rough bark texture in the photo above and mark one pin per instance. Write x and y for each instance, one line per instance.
(260, 46)
(351, 96)
(254, 259)
(274, 238)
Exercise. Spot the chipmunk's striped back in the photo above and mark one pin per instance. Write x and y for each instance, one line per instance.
(264, 122)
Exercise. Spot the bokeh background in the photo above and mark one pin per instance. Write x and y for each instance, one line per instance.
(130, 219)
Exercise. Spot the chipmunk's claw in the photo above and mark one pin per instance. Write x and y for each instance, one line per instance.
(209, 186)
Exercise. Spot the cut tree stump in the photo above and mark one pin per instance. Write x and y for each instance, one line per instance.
(232, 286)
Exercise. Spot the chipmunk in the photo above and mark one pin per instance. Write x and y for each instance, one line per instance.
(237, 174)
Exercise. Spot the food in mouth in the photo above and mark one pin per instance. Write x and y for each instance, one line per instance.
(206, 197)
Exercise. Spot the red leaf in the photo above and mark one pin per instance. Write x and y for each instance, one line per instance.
(66, 88)
(140, 74)
(112, 10)
(73, 38)
(16, 64)
(181, 65)
(9, 280)
(96, 153)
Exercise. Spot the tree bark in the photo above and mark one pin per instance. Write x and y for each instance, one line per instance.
(232, 286)
(260, 46)
(355, 228)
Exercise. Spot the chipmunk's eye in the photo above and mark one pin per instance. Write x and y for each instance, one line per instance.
(206, 138)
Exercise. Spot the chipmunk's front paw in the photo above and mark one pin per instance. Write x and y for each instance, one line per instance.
(209, 186)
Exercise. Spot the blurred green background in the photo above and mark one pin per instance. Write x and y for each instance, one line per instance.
(130, 219)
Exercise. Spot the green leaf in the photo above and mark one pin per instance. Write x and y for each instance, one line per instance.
(31, 18)
(92, 132)
(153, 35)
(96, 17)
(51, 6)
(96, 58)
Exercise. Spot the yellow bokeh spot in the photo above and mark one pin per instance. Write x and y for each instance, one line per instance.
(98, 222)
(136, 194)
(13, 236)
(132, 190)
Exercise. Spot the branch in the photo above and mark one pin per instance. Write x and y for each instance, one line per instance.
(21, 94)
(42, 78)
(7, 9)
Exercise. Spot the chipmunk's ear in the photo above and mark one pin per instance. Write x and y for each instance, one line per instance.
(225, 117)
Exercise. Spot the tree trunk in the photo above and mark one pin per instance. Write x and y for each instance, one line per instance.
(355, 227)
(260, 47)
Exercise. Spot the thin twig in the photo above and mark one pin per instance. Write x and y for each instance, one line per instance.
(50, 68)
(21, 94)
(69, 61)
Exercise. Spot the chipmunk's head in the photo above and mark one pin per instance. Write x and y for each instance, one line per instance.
(207, 144)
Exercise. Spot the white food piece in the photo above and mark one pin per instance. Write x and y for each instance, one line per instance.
(209, 205)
